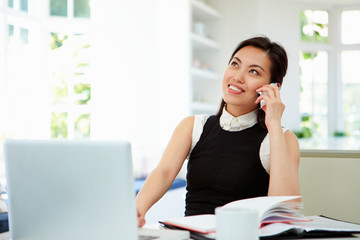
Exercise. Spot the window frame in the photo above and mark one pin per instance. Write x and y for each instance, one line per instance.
(70, 26)
(39, 16)
(341, 48)
(334, 48)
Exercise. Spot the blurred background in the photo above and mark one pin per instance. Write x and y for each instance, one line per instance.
(103, 69)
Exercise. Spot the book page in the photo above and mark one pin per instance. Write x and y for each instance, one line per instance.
(327, 224)
(318, 223)
(261, 204)
(205, 223)
(278, 228)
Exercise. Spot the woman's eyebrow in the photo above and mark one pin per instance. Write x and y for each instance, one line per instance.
(237, 59)
(253, 65)
(257, 66)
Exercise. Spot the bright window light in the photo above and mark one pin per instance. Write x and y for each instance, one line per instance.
(350, 34)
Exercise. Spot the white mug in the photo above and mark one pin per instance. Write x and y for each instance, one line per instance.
(236, 224)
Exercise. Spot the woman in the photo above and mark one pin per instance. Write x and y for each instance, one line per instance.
(240, 152)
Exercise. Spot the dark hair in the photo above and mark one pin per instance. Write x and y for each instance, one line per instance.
(278, 68)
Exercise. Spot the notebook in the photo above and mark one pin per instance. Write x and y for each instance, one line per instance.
(73, 189)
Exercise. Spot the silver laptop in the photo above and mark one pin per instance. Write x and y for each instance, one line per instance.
(61, 189)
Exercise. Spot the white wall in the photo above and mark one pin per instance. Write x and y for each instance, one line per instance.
(141, 88)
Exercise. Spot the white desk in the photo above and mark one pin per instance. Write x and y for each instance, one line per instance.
(346, 238)
(6, 236)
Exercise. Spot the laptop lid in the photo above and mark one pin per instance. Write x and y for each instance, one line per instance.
(61, 189)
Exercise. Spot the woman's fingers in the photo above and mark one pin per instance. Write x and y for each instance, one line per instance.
(141, 220)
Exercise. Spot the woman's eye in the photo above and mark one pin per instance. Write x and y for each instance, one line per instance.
(254, 72)
(235, 64)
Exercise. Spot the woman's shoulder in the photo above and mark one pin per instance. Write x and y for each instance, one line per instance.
(188, 120)
(193, 121)
(201, 119)
(289, 134)
(186, 123)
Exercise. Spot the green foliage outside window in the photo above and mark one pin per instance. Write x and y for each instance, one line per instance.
(82, 126)
(313, 94)
(59, 92)
(314, 26)
(59, 125)
(70, 81)
(57, 40)
(305, 131)
(82, 93)
(69, 74)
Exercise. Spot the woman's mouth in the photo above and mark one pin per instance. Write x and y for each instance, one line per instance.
(234, 89)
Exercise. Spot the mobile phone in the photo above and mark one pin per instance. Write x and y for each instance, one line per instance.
(263, 102)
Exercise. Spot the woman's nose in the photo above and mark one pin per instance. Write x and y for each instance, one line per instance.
(239, 77)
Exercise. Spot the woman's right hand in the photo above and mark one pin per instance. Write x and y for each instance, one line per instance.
(141, 219)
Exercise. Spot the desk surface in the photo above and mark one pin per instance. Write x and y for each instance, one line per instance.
(6, 236)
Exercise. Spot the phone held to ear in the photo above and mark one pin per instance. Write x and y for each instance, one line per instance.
(263, 102)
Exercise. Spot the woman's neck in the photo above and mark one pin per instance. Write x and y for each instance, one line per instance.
(237, 111)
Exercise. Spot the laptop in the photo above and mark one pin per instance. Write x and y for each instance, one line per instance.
(74, 189)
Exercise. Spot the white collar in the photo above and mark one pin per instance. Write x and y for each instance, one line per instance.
(230, 123)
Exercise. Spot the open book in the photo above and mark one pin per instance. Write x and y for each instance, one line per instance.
(270, 209)
(277, 217)
(320, 226)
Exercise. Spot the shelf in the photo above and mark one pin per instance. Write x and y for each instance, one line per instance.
(204, 11)
(204, 74)
(201, 42)
(205, 81)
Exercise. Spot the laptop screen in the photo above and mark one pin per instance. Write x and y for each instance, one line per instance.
(60, 189)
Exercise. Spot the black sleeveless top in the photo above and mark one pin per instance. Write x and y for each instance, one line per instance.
(224, 166)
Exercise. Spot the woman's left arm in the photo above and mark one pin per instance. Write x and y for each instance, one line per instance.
(284, 163)
(284, 147)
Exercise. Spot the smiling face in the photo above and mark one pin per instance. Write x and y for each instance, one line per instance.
(248, 70)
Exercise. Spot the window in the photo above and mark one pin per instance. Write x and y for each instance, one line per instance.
(70, 8)
(314, 26)
(46, 75)
(24, 35)
(11, 3)
(313, 97)
(314, 69)
(82, 8)
(48, 69)
(329, 80)
(350, 57)
(24, 5)
(71, 85)
(10, 31)
(349, 34)
(58, 8)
